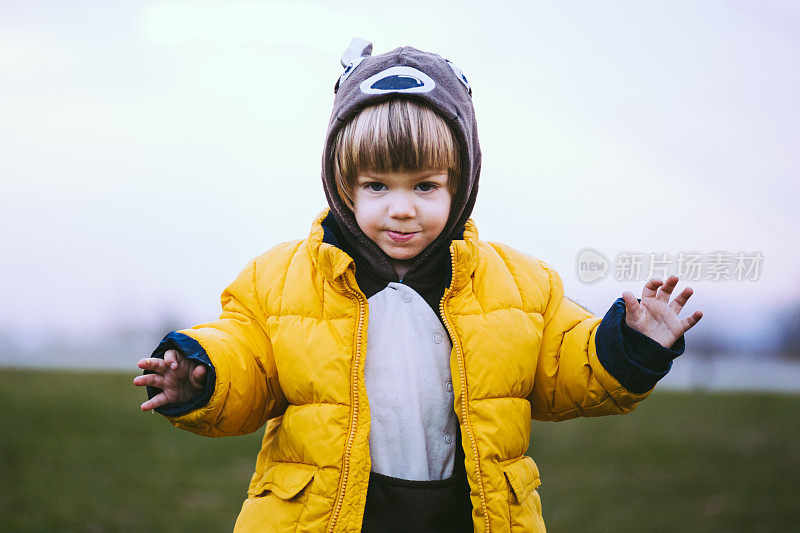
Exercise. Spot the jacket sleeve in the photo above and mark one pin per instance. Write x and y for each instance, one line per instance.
(243, 390)
(592, 367)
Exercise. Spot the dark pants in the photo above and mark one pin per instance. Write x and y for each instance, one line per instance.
(436, 506)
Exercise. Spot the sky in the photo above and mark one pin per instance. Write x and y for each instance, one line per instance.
(149, 149)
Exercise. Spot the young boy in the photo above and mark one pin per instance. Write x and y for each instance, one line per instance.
(397, 359)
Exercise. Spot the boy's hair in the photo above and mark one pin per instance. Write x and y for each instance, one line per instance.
(394, 136)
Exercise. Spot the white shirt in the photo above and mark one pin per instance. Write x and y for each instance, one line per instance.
(409, 387)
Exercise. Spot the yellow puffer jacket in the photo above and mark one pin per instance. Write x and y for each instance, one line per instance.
(289, 351)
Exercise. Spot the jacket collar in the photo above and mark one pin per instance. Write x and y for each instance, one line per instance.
(329, 260)
(465, 256)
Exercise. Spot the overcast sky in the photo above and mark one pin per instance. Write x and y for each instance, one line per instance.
(148, 150)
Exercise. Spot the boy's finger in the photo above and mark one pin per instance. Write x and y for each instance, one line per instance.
(153, 363)
(666, 288)
(152, 380)
(631, 305)
(171, 359)
(691, 320)
(680, 300)
(650, 288)
(197, 376)
(156, 401)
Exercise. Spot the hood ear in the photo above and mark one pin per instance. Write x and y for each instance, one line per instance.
(357, 49)
(355, 53)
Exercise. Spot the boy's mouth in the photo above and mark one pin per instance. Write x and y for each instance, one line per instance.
(399, 236)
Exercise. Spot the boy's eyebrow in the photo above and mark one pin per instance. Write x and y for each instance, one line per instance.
(425, 174)
(437, 174)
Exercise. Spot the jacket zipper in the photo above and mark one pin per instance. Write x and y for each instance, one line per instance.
(463, 377)
(353, 419)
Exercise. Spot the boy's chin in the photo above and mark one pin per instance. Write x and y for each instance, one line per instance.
(399, 254)
(403, 261)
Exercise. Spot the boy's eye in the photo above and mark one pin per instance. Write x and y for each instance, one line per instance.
(375, 186)
(426, 186)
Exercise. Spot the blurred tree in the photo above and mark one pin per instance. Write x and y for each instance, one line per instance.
(789, 331)
(705, 343)
(704, 346)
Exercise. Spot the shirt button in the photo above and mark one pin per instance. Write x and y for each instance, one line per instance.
(406, 297)
(448, 438)
(437, 338)
(449, 387)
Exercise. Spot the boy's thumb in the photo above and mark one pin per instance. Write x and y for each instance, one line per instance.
(199, 375)
(631, 303)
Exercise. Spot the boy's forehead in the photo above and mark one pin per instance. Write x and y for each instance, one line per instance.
(405, 174)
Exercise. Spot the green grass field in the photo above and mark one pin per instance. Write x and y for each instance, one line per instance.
(76, 454)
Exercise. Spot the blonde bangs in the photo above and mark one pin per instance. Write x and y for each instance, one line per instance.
(398, 135)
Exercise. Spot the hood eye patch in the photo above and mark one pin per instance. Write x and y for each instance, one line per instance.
(400, 78)
(460, 76)
(347, 71)
(397, 82)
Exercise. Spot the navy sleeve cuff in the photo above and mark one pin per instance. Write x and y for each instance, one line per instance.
(190, 349)
(634, 359)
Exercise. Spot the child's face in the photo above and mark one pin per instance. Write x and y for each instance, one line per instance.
(403, 212)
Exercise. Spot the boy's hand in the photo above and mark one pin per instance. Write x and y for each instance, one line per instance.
(179, 379)
(654, 316)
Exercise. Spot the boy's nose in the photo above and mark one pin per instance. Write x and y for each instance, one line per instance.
(401, 207)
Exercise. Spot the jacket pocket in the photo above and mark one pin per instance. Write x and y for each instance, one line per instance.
(284, 480)
(523, 478)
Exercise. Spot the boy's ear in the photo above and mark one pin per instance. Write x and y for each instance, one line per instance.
(355, 53)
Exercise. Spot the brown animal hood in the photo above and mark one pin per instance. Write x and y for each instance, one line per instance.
(403, 73)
